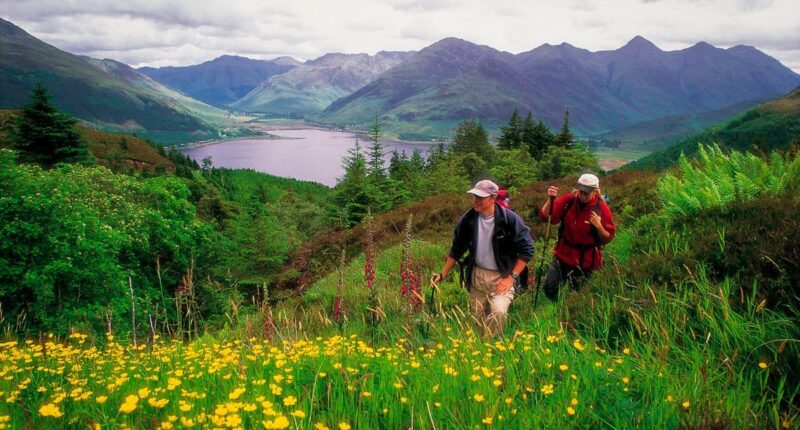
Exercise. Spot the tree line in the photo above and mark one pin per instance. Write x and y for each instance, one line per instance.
(525, 153)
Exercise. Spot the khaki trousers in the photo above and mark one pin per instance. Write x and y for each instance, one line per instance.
(488, 308)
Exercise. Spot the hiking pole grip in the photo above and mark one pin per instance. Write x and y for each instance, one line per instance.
(544, 250)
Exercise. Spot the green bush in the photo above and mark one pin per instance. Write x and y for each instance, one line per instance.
(73, 235)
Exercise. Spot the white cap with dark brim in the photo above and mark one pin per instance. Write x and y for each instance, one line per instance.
(588, 183)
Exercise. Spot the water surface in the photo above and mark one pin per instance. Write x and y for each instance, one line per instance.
(305, 154)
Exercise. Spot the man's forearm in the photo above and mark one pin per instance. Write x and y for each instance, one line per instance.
(448, 265)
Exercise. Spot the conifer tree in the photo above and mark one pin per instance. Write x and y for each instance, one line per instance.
(539, 139)
(376, 166)
(511, 134)
(352, 191)
(471, 137)
(46, 136)
(380, 186)
(565, 138)
(471, 145)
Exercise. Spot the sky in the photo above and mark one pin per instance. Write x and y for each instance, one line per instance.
(185, 32)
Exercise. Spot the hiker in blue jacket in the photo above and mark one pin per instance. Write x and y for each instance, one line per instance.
(499, 246)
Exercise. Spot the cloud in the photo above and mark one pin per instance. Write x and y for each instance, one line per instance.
(182, 32)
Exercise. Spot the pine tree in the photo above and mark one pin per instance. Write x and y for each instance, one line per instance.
(538, 139)
(376, 167)
(380, 187)
(565, 138)
(511, 135)
(352, 193)
(471, 137)
(46, 136)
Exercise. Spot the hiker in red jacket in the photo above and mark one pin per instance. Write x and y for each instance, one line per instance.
(503, 199)
(586, 225)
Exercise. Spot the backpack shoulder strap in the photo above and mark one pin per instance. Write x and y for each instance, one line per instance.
(599, 210)
(567, 206)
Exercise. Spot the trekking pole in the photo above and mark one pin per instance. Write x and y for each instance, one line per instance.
(432, 298)
(544, 250)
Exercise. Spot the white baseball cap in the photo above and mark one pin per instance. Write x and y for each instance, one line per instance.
(588, 183)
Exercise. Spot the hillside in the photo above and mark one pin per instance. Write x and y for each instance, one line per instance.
(119, 152)
(99, 91)
(604, 90)
(774, 125)
(222, 80)
(312, 86)
(660, 133)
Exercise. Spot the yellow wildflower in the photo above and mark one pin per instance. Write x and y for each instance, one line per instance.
(280, 422)
(235, 394)
(233, 420)
(50, 410)
(344, 426)
(157, 403)
(130, 404)
(289, 401)
(478, 398)
(570, 410)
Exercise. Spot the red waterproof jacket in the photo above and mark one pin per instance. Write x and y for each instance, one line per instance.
(579, 239)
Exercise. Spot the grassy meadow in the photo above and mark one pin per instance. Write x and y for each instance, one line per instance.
(692, 324)
(426, 370)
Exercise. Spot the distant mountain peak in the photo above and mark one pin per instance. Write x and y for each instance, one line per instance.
(704, 46)
(451, 43)
(639, 43)
(286, 61)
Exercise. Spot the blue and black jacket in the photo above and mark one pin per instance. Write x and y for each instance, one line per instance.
(511, 241)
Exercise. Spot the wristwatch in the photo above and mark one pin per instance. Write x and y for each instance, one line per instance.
(516, 277)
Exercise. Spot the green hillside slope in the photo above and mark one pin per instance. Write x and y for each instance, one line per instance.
(104, 92)
(770, 126)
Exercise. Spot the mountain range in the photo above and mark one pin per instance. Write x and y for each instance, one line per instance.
(453, 79)
(637, 89)
(220, 81)
(311, 87)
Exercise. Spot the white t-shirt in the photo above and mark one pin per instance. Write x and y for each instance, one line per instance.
(484, 251)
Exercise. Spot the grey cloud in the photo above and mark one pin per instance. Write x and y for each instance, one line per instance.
(749, 5)
(181, 32)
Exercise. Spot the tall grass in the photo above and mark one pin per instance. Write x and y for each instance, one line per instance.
(627, 351)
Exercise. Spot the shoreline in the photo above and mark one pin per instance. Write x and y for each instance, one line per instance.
(270, 136)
